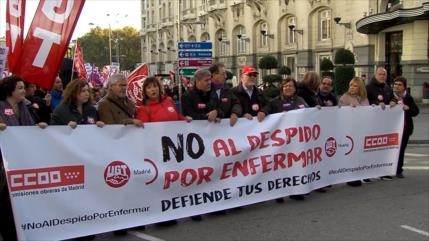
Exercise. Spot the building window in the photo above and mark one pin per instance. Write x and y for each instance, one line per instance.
(290, 34)
(264, 38)
(322, 56)
(325, 24)
(241, 42)
(290, 62)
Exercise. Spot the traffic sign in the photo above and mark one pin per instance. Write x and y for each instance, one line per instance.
(195, 45)
(187, 72)
(195, 62)
(195, 54)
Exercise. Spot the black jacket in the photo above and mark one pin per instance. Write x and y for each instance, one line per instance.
(281, 103)
(409, 114)
(378, 93)
(308, 95)
(321, 98)
(251, 105)
(228, 103)
(197, 104)
(65, 113)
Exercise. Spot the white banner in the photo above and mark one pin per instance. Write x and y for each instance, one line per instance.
(66, 183)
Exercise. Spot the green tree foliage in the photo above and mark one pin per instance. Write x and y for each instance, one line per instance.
(271, 79)
(344, 56)
(284, 70)
(344, 72)
(343, 75)
(326, 65)
(268, 62)
(95, 47)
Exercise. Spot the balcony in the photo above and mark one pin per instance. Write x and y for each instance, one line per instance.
(168, 21)
(152, 27)
(373, 24)
(235, 2)
(216, 5)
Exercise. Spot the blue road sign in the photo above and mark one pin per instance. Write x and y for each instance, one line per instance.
(195, 54)
(195, 45)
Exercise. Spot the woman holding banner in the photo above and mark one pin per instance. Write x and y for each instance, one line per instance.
(287, 101)
(156, 107)
(355, 96)
(13, 112)
(76, 107)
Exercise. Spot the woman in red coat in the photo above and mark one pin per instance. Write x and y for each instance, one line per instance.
(156, 107)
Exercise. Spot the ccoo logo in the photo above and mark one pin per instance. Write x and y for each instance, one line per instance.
(117, 174)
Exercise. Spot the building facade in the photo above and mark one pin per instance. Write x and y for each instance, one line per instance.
(299, 33)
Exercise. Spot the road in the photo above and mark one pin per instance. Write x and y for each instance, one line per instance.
(381, 210)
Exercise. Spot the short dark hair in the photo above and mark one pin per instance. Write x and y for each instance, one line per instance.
(401, 79)
(151, 80)
(214, 68)
(8, 86)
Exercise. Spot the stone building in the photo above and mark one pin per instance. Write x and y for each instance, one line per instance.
(299, 33)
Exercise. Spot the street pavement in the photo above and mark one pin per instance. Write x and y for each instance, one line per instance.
(421, 126)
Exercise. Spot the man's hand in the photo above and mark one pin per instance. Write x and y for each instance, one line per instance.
(42, 125)
(188, 118)
(382, 105)
(328, 103)
(138, 123)
(233, 119)
(72, 124)
(99, 124)
(211, 116)
(261, 116)
(248, 116)
(405, 107)
(2, 126)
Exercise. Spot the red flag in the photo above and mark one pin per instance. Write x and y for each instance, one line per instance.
(15, 14)
(47, 41)
(135, 83)
(79, 66)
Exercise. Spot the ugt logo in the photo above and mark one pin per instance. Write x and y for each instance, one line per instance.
(117, 174)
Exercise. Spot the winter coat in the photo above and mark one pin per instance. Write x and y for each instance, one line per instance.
(159, 111)
(115, 110)
(65, 113)
(378, 93)
(197, 104)
(251, 105)
(282, 103)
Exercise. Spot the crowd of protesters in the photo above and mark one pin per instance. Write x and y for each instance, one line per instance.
(22, 104)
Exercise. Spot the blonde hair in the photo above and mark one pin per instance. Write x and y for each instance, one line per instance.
(361, 85)
(311, 80)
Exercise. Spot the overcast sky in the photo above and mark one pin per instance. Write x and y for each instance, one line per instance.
(122, 13)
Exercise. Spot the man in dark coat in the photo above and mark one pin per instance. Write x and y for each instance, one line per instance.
(402, 97)
(229, 105)
(379, 93)
(199, 103)
(252, 99)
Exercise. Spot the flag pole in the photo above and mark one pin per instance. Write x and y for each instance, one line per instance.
(74, 54)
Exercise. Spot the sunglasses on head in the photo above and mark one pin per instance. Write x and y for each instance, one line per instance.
(252, 74)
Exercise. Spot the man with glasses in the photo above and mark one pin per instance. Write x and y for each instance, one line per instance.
(251, 98)
(229, 105)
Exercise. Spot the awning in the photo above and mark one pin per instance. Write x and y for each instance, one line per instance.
(373, 24)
